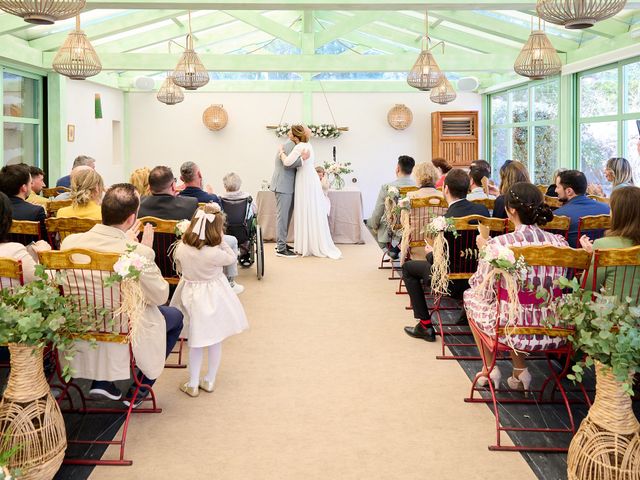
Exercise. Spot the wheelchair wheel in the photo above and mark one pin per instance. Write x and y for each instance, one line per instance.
(259, 253)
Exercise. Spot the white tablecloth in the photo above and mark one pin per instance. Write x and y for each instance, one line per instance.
(345, 218)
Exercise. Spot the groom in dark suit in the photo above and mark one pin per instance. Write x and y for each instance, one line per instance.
(415, 273)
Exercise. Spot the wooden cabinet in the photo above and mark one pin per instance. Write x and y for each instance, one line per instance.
(454, 136)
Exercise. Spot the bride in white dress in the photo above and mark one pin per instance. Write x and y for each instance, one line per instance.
(312, 236)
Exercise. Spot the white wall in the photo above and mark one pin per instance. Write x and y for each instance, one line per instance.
(94, 137)
(170, 135)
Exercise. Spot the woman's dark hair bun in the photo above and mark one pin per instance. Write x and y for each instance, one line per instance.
(543, 214)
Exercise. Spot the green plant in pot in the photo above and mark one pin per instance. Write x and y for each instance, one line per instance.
(31, 317)
(607, 332)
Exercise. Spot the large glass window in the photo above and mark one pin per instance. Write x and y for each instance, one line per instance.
(21, 139)
(608, 107)
(524, 127)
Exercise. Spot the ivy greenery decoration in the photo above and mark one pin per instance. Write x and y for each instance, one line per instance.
(607, 330)
(37, 314)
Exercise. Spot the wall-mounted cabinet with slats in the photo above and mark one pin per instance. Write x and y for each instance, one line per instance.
(454, 136)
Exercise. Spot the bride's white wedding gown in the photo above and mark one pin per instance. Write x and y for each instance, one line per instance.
(312, 236)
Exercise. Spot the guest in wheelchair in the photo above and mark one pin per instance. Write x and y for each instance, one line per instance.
(241, 212)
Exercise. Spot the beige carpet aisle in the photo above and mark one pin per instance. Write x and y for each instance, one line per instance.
(325, 385)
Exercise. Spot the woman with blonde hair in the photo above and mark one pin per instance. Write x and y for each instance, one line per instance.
(140, 179)
(87, 189)
(618, 171)
(511, 172)
(312, 235)
(426, 176)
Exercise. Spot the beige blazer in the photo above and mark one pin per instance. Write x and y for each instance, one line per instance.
(110, 361)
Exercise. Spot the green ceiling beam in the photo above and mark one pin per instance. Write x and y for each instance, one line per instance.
(300, 63)
(265, 24)
(499, 28)
(349, 24)
(604, 45)
(106, 28)
(322, 4)
(165, 33)
(17, 50)
(379, 44)
(11, 23)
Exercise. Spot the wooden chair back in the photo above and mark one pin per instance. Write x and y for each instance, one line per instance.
(620, 269)
(59, 228)
(54, 191)
(543, 189)
(423, 210)
(164, 236)
(25, 232)
(10, 273)
(55, 205)
(553, 202)
(599, 199)
(463, 250)
(490, 203)
(594, 226)
(404, 190)
(83, 275)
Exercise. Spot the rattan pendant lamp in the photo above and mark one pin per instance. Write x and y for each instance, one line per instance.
(169, 92)
(443, 93)
(76, 58)
(577, 14)
(190, 73)
(538, 59)
(426, 73)
(42, 12)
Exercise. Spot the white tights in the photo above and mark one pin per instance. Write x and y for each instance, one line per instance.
(195, 363)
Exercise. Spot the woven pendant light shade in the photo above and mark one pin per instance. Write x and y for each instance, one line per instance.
(577, 14)
(443, 93)
(190, 73)
(169, 92)
(42, 12)
(400, 117)
(426, 73)
(76, 58)
(215, 118)
(538, 59)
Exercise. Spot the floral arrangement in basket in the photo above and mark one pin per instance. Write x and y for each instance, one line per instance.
(127, 271)
(323, 130)
(434, 236)
(336, 170)
(391, 211)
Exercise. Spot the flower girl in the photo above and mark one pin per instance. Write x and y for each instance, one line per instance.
(211, 310)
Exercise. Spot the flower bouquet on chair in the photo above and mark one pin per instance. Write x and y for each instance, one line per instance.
(434, 237)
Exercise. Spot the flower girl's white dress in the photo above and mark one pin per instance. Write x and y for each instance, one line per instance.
(212, 312)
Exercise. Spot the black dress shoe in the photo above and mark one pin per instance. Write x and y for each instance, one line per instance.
(428, 334)
(463, 320)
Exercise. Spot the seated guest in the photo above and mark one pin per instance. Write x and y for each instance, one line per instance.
(376, 223)
(232, 183)
(37, 184)
(324, 182)
(87, 188)
(476, 190)
(74, 172)
(140, 179)
(164, 203)
(15, 183)
(511, 172)
(483, 164)
(161, 325)
(417, 273)
(551, 190)
(80, 160)
(525, 207)
(571, 186)
(617, 171)
(624, 233)
(443, 167)
(426, 177)
(191, 175)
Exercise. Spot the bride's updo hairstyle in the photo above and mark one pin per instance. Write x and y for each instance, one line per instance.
(213, 231)
(528, 201)
(297, 131)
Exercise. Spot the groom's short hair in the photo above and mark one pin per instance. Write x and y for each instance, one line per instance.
(406, 164)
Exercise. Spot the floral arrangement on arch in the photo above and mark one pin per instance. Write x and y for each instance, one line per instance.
(434, 236)
(324, 130)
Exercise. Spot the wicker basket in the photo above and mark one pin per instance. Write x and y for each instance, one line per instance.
(400, 117)
(215, 118)
(31, 418)
(607, 444)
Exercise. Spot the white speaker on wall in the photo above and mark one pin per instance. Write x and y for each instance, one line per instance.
(468, 84)
(144, 83)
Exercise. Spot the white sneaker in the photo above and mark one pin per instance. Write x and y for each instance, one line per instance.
(237, 288)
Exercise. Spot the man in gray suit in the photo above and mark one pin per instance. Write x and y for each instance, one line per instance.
(283, 185)
(376, 223)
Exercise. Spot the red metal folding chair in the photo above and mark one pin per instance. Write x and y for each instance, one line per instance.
(617, 270)
(10, 278)
(83, 274)
(593, 226)
(25, 232)
(537, 257)
(395, 227)
(59, 228)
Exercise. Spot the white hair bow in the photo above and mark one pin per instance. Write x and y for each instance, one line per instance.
(202, 220)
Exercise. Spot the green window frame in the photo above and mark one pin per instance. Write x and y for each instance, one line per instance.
(609, 129)
(33, 124)
(526, 127)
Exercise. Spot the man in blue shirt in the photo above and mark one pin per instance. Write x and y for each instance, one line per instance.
(571, 187)
(192, 177)
(80, 160)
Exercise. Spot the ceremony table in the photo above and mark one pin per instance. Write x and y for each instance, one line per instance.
(345, 218)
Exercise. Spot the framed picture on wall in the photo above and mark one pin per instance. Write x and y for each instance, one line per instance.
(71, 133)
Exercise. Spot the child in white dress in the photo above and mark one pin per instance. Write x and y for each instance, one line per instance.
(211, 310)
